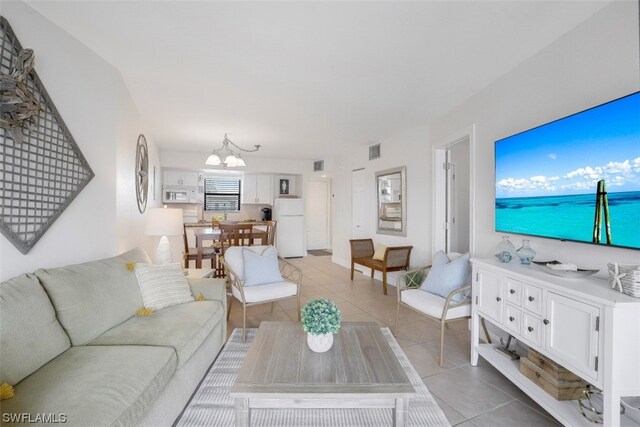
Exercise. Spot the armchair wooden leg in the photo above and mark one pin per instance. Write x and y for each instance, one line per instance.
(352, 268)
(372, 271)
(384, 281)
(442, 323)
(244, 322)
(395, 329)
(229, 302)
(298, 306)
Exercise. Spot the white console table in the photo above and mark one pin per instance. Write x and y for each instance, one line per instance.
(583, 324)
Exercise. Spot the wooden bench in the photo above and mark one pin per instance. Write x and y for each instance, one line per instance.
(395, 258)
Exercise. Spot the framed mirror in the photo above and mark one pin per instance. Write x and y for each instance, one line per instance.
(391, 185)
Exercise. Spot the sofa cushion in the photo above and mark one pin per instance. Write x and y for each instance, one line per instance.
(432, 304)
(96, 386)
(162, 285)
(93, 297)
(30, 334)
(183, 327)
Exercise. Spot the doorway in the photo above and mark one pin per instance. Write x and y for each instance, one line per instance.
(358, 205)
(454, 193)
(317, 214)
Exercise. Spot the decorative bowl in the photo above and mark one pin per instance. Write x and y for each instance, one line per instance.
(542, 265)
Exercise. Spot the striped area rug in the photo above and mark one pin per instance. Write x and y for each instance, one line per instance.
(212, 406)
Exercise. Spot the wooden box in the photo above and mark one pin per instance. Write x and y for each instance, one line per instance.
(551, 367)
(551, 377)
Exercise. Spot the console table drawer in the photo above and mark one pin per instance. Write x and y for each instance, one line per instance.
(514, 292)
(532, 329)
(532, 298)
(513, 319)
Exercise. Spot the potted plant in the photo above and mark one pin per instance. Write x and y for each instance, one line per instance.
(320, 320)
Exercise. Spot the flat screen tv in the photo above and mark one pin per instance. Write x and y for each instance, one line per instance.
(576, 178)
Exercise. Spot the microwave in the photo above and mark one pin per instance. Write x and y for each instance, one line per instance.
(181, 195)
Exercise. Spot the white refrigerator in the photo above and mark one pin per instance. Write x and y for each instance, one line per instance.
(290, 235)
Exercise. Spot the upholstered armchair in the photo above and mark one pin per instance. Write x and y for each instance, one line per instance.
(245, 285)
(456, 305)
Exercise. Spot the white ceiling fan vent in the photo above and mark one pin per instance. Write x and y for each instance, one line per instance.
(318, 165)
(374, 152)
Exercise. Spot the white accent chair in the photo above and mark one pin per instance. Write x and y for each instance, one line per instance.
(233, 263)
(435, 307)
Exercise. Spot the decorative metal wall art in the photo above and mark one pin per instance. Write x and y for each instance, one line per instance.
(142, 173)
(41, 167)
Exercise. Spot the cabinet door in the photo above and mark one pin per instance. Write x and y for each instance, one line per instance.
(264, 189)
(190, 179)
(572, 333)
(489, 298)
(172, 178)
(249, 194)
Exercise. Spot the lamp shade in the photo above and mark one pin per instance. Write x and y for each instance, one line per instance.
(163, 222)
(213, 160)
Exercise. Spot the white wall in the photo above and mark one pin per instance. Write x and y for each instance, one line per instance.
(410, 149)
(596, 62)
(90, 96)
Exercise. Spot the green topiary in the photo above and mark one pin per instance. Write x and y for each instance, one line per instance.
(320, 316)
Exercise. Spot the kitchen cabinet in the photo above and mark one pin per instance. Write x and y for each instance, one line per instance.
(175, 178)
(582, 324)
(257, 189)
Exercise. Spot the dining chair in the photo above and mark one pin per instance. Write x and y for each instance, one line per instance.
(191, 253)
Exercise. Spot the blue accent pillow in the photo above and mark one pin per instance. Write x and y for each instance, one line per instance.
(261, 269)
(447, 275)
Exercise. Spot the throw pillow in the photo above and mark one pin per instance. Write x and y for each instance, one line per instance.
(447, 275)
(261, 269)
(379, 252)
(162, 285)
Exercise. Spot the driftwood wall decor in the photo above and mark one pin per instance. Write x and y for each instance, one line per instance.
(41, 167)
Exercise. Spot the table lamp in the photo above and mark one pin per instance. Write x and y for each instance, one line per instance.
(163, 222)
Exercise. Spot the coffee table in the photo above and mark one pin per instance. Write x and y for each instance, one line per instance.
(359, 371)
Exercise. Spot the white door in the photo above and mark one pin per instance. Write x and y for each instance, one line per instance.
(358, 205)
(458, 189)
(249, 186)
(264, 189)
(317, 213)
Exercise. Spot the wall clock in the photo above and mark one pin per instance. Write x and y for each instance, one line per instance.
(142, 173)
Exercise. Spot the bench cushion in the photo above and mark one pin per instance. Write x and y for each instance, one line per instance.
(30, 334)
(182, 327)
(96, 386)
(432, 304)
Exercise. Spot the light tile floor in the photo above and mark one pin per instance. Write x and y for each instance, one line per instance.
(469, 396)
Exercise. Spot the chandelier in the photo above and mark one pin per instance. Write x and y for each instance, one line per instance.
(226, 157)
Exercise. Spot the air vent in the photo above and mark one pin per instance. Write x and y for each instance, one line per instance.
(318, 166)
(374, 152)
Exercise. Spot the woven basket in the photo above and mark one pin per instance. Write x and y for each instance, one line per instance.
(630, 281)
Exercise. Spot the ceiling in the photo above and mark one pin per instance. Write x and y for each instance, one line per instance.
(305, 78)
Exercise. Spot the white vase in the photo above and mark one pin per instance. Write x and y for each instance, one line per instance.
(319, 343)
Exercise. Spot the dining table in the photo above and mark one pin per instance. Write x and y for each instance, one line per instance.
(209, 233)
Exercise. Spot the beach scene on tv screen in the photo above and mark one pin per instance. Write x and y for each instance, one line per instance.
(576, 179)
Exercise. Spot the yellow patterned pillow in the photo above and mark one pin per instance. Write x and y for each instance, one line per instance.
(379, 253)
